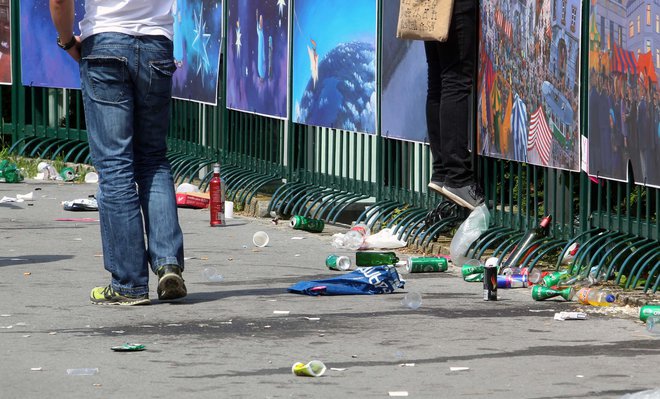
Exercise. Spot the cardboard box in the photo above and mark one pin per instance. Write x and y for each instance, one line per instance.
(192, 200)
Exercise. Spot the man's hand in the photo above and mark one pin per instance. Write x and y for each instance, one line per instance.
(74, 51)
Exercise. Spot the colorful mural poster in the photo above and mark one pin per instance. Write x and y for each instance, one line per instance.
(5, 42)
(624, 100)
(258, 57)
(528, 83)
(197, 46)
(43, 63)
(403, 73)
(334, 64)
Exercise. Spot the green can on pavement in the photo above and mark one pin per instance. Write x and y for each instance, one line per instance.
(372, 258)
(468, 270)
(420, 264)
(540, 293)
(474, 278)
(337, 262)
(307, 224)
(555, 278)
(649, 311)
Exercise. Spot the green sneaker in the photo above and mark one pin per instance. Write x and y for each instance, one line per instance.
(170, 283)
(108, 296)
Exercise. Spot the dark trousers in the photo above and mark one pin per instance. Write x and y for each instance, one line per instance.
(451, 67)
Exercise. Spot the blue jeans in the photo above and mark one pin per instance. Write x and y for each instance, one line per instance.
(127, 86)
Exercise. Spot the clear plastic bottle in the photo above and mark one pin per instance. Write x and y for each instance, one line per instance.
(600, 297)
(653, 325)
(354, 238)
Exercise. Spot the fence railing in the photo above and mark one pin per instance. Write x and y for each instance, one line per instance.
(323, 173)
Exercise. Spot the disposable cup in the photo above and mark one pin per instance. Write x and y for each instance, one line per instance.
(412, 300)
(229, 210)
(91, 177)
(315, 368)
(260, 239)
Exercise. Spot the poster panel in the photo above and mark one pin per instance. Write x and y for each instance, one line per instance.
(528, 85)
(197, 46)
(43, 63)
(334, 64)
(5, 42)
(258, 57)
(623, 100)
(403, 73)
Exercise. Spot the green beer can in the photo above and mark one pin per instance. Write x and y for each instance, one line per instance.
(555, 278)
(474, 278)
(307, 224)
(424, 265)
(540, 293)
(648, 311)
(469, 269)
(337, 262)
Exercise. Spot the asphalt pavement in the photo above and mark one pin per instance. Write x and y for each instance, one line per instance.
(239, 337)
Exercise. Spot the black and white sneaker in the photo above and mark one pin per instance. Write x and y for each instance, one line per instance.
(470, 196)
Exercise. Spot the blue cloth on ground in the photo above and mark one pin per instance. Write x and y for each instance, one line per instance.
(363, 281)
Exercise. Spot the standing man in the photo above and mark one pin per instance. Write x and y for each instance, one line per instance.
(451, 67)
(126, 60)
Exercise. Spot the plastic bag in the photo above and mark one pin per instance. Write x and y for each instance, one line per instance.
(363, 281)
(468, 232)
(384, 239)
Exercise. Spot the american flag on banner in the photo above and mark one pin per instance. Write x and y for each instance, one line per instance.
(540, 136)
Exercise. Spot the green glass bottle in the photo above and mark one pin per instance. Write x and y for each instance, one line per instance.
(367, 259)
(540, 293)
(307, 224)
(648, 310)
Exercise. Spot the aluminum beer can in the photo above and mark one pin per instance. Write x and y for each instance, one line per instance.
(647, 311)
(424, 264)
(490, 282)
(337, 262)
(474, 278)
(512, 281)
(468, 270)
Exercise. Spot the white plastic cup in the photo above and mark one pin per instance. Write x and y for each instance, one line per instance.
(260, 239)
(91, 177)
(412, 300)
(229, 210)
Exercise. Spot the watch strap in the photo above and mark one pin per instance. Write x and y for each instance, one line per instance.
(67, 45)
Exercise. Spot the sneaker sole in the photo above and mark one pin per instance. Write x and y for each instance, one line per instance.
(455, 198)
(170, 287)
(137, 302)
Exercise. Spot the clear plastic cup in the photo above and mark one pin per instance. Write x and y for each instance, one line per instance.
(211, 274)
(412, 300)
(260, 239)
(229, 210)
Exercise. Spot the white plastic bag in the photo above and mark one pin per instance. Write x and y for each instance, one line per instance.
(384, 239)
(468, 232)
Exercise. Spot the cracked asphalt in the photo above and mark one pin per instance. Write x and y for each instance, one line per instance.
(225, 339)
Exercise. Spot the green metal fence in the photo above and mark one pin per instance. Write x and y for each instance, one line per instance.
(322, 173)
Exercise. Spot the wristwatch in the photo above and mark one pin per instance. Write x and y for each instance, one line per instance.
(67, 45)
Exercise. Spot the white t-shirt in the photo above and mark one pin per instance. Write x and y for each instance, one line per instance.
(132, 17)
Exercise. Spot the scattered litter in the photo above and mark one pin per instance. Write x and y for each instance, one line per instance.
(338, 369)
(81, 205)
(5, 315)
(174, 325)
(127, 347)
(20, 324)
(315, 368)
(281, 312)
(26, 336)
(260, 239)
(412, 300)
(363, 281)
(272, 300)
(187, 188)
(119, 332)
(579, 376)
(561, 316)
(9, 199)
(407, 365)
(458, 368)
(541, 310)
(77, 239)
(275, 219)
(244, 246)
(97, 385)
(211, 274)
(354, 356)
(384, 239)
(52, 333)
(266, 326)
(36, 369)
(84, 371)
(27, 274)
(297, 238)
(7, 327)
(25, 197)
(398, 393)
(91, 177)
(296, 255)
(313, 318)
(81, 220)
